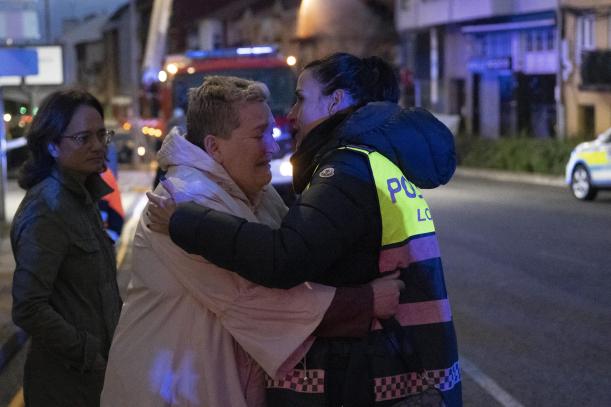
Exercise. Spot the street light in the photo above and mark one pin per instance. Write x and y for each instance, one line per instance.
(172, 68)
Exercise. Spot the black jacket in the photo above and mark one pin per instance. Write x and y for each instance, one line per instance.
(65, 293)
(335, 225)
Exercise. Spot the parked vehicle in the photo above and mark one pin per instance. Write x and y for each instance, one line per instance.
(282, 178)
(589, 168)
(263, 64)
(125, 147)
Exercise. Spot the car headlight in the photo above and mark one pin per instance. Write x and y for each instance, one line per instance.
(276, 133)
(286, 169)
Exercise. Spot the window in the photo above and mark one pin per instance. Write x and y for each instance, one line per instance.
(539, 40)
(550, 40)
(586, 120)
(529, 42)
(585, 32)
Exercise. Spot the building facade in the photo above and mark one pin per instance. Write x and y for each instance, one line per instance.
(305, 29)
(499, 63)
(586, 65)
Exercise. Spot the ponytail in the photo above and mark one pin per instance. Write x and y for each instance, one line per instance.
(367, 80)
(379, 80)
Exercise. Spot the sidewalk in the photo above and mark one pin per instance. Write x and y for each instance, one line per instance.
(524, 177)
(11, 338)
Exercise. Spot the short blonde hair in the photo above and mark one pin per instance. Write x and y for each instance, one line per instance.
(214, 106)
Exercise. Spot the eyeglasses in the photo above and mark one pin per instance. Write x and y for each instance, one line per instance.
(84, 137)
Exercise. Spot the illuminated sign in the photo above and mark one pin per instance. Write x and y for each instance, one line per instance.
(18, 61)
(50, 68)
(484, 64)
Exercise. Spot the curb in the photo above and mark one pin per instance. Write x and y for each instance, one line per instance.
(507, 176)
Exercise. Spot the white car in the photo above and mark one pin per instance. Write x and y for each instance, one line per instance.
(282, 177)
(589, 168)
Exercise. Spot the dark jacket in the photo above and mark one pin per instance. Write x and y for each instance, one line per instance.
(332, 235)
(65, 294)
(336, 222)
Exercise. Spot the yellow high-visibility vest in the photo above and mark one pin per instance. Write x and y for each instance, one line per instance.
(404, 211)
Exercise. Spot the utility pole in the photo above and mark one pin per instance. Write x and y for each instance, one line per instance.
(3, 179)
(562, 59)
(134, 65)
(47, 22)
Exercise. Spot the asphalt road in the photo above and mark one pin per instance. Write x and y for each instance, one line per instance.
(528, 271)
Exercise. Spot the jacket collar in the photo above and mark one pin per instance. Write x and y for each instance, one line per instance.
(176, 150)
(89, 191)
(321, 139)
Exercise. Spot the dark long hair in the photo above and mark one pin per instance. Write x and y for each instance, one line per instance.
(54, 115)
(367, 80)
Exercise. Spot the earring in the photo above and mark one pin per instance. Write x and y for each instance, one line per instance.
(52, 148)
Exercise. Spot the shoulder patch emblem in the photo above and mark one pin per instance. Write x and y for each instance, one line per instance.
(327, 172)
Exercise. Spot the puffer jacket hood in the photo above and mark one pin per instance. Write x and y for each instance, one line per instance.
(419, 144)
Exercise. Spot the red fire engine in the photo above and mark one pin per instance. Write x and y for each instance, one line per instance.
(259, 63)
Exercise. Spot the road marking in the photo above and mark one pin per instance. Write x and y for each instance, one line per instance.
(488, 384)
(128, 230)
(17, 401)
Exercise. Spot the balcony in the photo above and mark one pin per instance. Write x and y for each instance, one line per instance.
(595, 72)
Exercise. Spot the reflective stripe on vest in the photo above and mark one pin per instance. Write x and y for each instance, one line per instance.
(408, 235)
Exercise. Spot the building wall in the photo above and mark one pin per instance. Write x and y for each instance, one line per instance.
(530, 64)
(455, 60)
(577, 99)
(414, 14)
(324, 27)
(585, 3)
(314, 29)
(489, 108)
(118, 75)
(529, 6)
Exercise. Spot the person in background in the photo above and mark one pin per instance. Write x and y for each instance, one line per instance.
(359, 166)
(111, 207)
(191, 333)
(65, 293)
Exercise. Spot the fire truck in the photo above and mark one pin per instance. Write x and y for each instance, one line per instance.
(259, 63)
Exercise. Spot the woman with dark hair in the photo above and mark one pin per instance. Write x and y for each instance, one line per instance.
(65, 294)
(359, 166)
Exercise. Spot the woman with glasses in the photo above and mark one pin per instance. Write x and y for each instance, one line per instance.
(65, 294)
